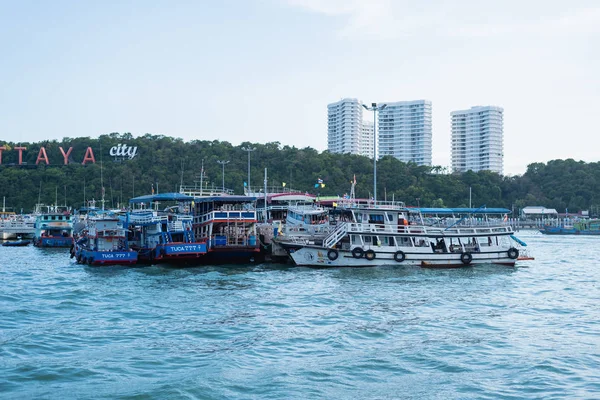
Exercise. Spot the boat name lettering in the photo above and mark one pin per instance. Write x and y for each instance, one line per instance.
(185, 248)
(113, 255)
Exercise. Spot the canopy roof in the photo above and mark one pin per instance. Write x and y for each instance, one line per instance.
(224, 199)
(162, 197)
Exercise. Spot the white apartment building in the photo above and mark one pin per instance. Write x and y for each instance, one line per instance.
(344, 126)
(405, 131)
(477, 139)
(366, 139)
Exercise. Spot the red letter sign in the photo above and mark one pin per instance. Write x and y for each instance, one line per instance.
(42, 156)
(89, 156)
(66, 156)
(20, 153)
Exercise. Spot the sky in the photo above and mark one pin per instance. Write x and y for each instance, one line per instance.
(264, 70)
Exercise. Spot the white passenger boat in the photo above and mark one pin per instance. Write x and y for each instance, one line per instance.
(380, 234)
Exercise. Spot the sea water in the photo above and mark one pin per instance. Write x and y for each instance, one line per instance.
(272, 331)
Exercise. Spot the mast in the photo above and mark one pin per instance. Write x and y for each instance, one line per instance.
(102, 181)
(201, 176)
(266, 212)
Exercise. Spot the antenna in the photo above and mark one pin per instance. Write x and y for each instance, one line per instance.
(181, 184)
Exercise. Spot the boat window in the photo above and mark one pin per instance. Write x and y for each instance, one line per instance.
(376, 218)
(368, 239)
(420, 242)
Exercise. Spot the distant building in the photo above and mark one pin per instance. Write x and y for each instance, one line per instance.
(366, 144)
(538, 212)
(345, 126)
(477, 139)
(405, 131)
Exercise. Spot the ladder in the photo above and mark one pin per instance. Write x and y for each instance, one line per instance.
(340, 231)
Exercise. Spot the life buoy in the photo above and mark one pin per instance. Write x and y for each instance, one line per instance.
(513, 253)
(357, 252)
(399, 256)
(332, 254)
(370, 255)
(466, 258)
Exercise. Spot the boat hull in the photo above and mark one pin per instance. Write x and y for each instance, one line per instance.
(568, 231)
(18, 243)
(190, 253)
(313, 256)
(53, 241)
(117, 257)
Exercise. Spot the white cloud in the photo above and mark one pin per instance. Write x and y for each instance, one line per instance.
(387, 19)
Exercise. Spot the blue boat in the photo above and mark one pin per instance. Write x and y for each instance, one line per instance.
(17, 243)
(103, 242)
(53, 228)
(583, 227)
(164, 236)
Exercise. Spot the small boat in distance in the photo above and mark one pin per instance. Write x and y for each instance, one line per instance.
(582, 227)
(17, 243)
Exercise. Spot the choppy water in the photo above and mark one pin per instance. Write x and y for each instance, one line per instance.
(274, 332)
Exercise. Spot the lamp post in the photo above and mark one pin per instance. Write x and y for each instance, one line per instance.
(249, 150)
(375, 108)
(223, 164)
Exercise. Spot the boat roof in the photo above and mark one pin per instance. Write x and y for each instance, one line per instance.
(291, 196)
(450, 211)
(173, 196)
(224, 199)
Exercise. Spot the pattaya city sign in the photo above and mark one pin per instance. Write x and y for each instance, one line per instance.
(120, 151)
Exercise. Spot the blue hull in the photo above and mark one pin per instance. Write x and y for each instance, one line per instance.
(91, 257)
(190, 253)
(567, 231)
(53, 241)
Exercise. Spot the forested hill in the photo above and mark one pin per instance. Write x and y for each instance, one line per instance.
(164, 162)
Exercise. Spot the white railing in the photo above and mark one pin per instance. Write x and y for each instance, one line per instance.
(354, 227)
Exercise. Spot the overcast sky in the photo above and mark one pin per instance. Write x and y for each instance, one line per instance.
(265, 70)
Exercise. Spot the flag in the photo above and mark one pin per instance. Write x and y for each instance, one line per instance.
(283, 184)
(322, 185)
(103, 191)
(316, 185)
(152, 188)
(334, 204)
(319, 180)
(245, 184)
(355, 179)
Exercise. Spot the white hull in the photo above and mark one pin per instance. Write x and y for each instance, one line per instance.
(314, 256)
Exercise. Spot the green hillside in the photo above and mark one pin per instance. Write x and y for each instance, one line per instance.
(165, 162)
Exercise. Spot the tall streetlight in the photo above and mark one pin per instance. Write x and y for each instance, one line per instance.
(223, 164)
(249, 150)
(375, 108)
